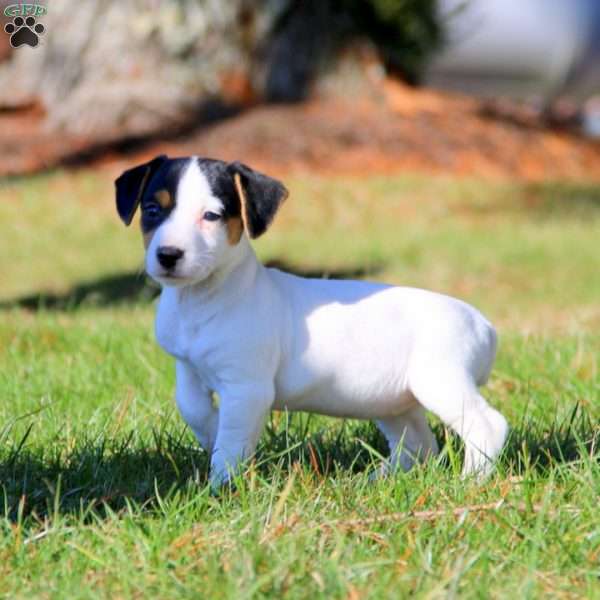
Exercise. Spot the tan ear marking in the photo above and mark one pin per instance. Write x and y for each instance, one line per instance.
(142, 188)
(237, 180)
(163, 197)
(234, 230)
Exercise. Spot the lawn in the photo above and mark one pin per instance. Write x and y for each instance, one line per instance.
(103, 490)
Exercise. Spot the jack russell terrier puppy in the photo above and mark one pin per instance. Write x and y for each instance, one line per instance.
(266, 340)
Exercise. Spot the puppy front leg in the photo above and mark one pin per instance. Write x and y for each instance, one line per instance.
(242, 413)
(195, 404)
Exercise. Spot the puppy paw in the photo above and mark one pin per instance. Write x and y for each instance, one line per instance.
(219, 483)
(380, 472)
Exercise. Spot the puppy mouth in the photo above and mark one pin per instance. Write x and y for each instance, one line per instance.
(167, 276)
(172, 277)
(176, 276)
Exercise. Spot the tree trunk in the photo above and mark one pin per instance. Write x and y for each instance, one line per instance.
(107, 70)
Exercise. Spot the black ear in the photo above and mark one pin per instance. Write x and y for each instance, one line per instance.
(131, 185)
(260, 197)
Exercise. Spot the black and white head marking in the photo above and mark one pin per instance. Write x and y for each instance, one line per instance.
(193, 209)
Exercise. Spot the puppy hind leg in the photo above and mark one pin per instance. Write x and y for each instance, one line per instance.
(455, 399)
(409, 437)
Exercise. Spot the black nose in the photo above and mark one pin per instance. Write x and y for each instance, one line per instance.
(168, 256)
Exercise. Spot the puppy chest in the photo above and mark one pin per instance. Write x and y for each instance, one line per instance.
(171, 340)
(178, 336)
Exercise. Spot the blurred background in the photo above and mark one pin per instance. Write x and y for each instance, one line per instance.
(427, 116)
(344, 83)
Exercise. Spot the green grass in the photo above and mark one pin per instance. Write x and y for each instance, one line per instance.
(103, 491)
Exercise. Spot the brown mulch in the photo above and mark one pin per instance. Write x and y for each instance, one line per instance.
(389, 129)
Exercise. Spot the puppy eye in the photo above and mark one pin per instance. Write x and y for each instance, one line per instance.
(211, 216)
(151, 210)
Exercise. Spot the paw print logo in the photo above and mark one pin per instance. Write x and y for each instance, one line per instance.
(24, 32)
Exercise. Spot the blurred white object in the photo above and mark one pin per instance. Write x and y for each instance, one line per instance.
(591, 117)
(525, 49)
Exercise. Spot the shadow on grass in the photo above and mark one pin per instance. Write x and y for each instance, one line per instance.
(111, 474)
(130, 288)
(97, 474)
(107, 291)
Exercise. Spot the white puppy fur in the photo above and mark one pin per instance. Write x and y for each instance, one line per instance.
(266, 340)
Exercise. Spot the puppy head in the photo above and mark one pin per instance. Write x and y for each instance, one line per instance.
(194, 213)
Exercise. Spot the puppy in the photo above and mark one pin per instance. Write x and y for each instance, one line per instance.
(266, 340)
